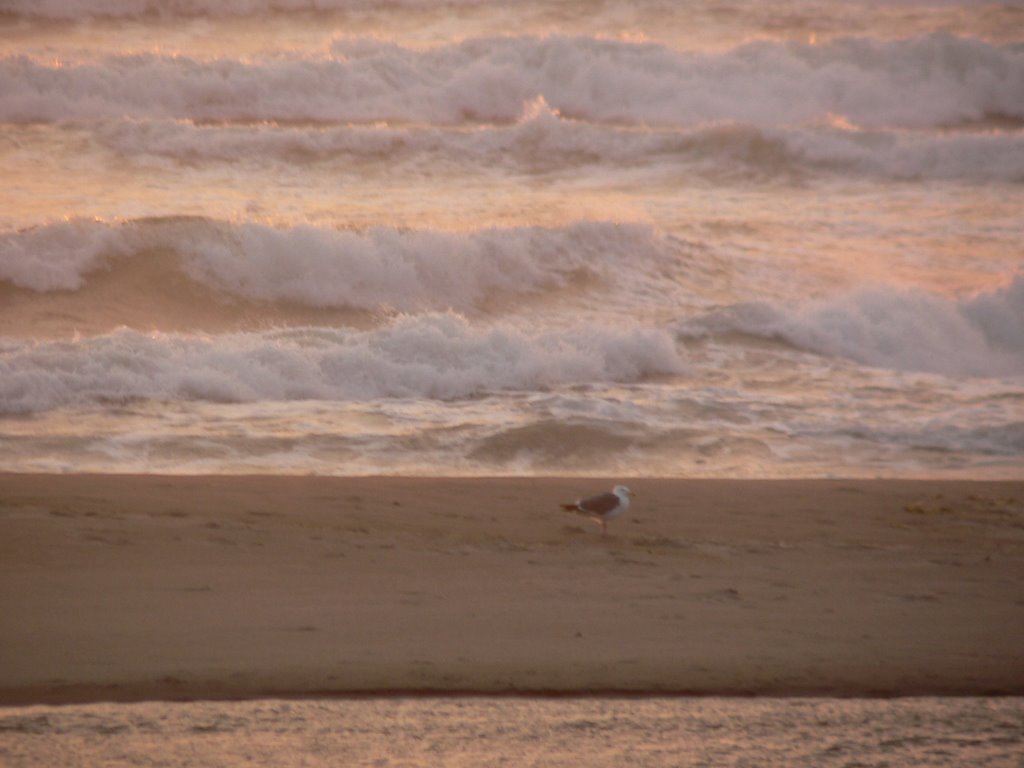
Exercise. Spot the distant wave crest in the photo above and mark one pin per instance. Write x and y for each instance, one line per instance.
(131, 9)
(926, 81)
(543, 138)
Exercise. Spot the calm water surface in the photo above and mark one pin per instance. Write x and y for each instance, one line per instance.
(487, 731)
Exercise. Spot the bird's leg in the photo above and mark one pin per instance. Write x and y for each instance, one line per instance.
(604, 527)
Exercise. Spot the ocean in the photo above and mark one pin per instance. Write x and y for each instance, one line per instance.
(464, 237)
(982, 733)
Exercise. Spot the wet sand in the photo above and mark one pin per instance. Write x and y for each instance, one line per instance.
(152, 587)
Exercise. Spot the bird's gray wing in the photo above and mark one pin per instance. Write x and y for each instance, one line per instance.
(601, 504)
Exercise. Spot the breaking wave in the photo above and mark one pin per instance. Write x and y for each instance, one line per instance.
(886, 327)
(388, 268)
(543, 139)
(439, 356)
(920, 82)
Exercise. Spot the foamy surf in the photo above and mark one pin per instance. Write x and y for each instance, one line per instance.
(647, 238)
(377, 270)
(886, 327)
(544, 139)
(929, 81)
(434, 356)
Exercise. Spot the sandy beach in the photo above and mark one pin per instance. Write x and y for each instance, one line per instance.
(161, 587)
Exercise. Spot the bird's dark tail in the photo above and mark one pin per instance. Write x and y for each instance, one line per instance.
(569, 507)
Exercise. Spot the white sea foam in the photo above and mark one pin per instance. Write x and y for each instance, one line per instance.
(925, 81)
(887, 327)
(379, 268)
(58, 256)
(439, 356)
(763, 170)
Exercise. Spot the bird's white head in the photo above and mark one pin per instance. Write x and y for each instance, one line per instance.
(622, 492)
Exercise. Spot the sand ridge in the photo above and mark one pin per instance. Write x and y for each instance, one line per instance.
(164, 587)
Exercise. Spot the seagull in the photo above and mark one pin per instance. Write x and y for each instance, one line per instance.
(602, 507)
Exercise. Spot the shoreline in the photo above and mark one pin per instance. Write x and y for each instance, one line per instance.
(146, 694)
(178, 588)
